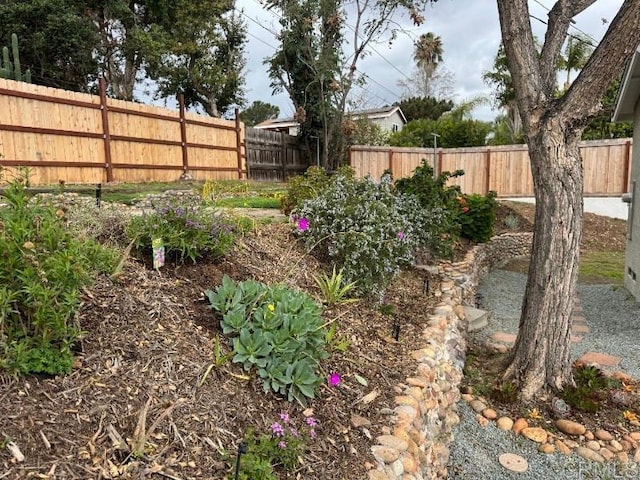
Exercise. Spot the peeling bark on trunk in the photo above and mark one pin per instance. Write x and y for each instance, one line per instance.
(541, 354)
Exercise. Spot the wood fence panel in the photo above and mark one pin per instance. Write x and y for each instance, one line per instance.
(82, 138)
(274, 155)
(504, 169)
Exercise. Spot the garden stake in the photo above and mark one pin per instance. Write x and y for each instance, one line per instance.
(242, 448)
(425, 287)
(479, 298)
(98, 195)
(396, 331)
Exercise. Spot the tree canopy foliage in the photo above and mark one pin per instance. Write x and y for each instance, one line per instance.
(193, 47)
(258, 112)
(430, 108)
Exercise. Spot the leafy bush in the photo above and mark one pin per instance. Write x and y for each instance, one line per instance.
(187, 231)
(42, 269)
(274, 329)
(476, 217)
(368, 229)
(434, 193)
(309, 185)
(283, 447)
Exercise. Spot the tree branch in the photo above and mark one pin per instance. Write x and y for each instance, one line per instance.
(522, 57)
(582, 101)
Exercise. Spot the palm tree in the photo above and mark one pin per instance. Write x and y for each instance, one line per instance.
(428, 51)
(578, 50)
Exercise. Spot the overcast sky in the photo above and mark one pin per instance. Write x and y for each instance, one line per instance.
(470, 34)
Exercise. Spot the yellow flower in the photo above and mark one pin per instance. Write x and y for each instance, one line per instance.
(534, 414)
(630, 416)
(271, 308)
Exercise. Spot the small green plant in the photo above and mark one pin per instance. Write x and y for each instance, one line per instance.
(187, 231)
(338, 343)
(333, 289)
(476, 216)
(512, 222)
(588, 393)
(280, 449)
(276, 331)
(309, 185)
(43, 267)
(505, 392)
(387, 309)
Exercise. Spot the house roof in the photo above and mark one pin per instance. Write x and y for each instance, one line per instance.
(629, 91)
(372, 113)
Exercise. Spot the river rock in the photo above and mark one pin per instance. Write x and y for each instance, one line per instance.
(593, 445)
(570, 427)
(520, 424)
(562, 447)
(589, 454)
(477, 406)
(490, 413)
(504, 423)
(547, 448)
(603, 435)
(513, 462)
(536, 434)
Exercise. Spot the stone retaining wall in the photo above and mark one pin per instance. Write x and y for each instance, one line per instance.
(416, 447)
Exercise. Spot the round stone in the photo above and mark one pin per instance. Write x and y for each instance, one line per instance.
(505, 423)
(535, 434)
(490, 413)
(520, 424)
(547, 448)
(513, 462)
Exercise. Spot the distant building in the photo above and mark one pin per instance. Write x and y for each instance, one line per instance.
(628, 108)
(390, 119)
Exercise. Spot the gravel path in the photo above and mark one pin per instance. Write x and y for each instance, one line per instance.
(613, 317)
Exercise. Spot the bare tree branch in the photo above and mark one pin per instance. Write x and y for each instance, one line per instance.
(582, 101)
(557, 28)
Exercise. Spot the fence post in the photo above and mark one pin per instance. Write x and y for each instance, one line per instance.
(183, 135)
(391, 164)
(102, 84)
(283, 156)
(627, 163)
(487, 174)
(239, 142)
(440, 155)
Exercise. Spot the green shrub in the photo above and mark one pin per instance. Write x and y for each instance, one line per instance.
(187, 231)
(434, 193)
(276, 330)
(309, 185)
(42, 269)
(367, 229)
(476, 216)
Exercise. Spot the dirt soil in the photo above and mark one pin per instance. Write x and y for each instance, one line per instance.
(140, 373)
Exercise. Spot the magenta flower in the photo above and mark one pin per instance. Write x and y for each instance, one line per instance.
(303, 224)
(284, 416)
(312, 433)
(311, 422)
(401, 235)
(334, 379)
(282, 445)
(277, 430)
(293, 432)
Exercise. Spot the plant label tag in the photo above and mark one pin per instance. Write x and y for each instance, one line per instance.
(158, 253)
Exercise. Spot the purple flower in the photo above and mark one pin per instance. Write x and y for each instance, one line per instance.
(312, 433)
(277, 430)
(303, 224)
(282, 445)
(311, 422)
(293, 432)
(334, 379)
(284, 416)
(401, 235)
(179, 211)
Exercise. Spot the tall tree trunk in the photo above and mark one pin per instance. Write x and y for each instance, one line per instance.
(540, 359)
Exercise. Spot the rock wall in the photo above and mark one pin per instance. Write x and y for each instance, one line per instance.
(416, 447)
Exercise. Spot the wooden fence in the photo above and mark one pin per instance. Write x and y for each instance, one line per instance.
(82, 138)
(504, 169)
(274, 155)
